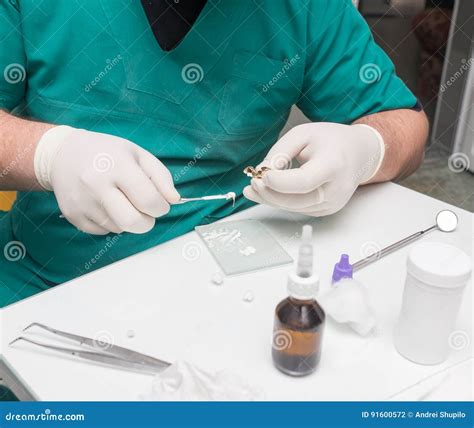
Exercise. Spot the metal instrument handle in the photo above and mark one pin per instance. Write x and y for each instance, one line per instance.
(390, 249)
(96, 357)
(117, 351)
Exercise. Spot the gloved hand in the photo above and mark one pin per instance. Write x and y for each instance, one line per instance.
(103, 183)
(334, 160)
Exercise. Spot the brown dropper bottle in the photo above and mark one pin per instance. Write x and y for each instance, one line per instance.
(299, 320)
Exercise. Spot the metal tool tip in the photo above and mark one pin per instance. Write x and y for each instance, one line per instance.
(15, 340)
(29, 326)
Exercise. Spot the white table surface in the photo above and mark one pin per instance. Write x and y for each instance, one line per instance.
(177, 313)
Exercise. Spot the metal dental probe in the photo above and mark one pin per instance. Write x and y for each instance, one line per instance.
(446, 221)
(227, 196)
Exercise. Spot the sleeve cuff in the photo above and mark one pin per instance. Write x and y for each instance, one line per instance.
(8, 102)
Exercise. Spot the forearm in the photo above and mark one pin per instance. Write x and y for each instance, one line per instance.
(405, 133)
(18, 140)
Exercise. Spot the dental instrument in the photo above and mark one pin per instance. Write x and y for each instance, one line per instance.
(446, 221)
(227, 196)
(251, 172)
(104, 352)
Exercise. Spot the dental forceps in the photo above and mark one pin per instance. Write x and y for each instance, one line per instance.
(103, 352)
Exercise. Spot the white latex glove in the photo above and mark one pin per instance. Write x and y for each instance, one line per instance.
(334, 160)
(103, 183)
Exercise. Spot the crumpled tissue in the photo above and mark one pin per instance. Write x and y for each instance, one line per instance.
(183, 381)
(347, 302)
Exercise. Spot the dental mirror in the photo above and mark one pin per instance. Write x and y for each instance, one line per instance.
(446, 221)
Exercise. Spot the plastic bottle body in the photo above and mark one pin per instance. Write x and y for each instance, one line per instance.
(427, 319)
(297, 336)
(437, 275)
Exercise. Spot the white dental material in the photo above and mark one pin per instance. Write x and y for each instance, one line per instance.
(248, 296)
(248, 251)
(217, 278)
(242, 246)
(227, 196)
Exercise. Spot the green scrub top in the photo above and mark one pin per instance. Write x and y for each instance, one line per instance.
(207, 109)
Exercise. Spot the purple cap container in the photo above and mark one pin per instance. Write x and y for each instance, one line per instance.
(342, 269)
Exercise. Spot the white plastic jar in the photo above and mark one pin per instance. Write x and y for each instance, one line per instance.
(437, 275)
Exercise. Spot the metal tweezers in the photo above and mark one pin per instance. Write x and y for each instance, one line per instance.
(104, 353)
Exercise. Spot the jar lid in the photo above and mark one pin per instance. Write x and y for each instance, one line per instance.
(439, 265)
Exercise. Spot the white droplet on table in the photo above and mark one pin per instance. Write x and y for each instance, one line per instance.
(217, 278)
(248, 296)
(130, 334)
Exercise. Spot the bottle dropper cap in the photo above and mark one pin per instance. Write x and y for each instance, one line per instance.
(303, 283)
(342, 269)
(305, 254)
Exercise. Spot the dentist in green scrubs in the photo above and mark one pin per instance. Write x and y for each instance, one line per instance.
(112, 110)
